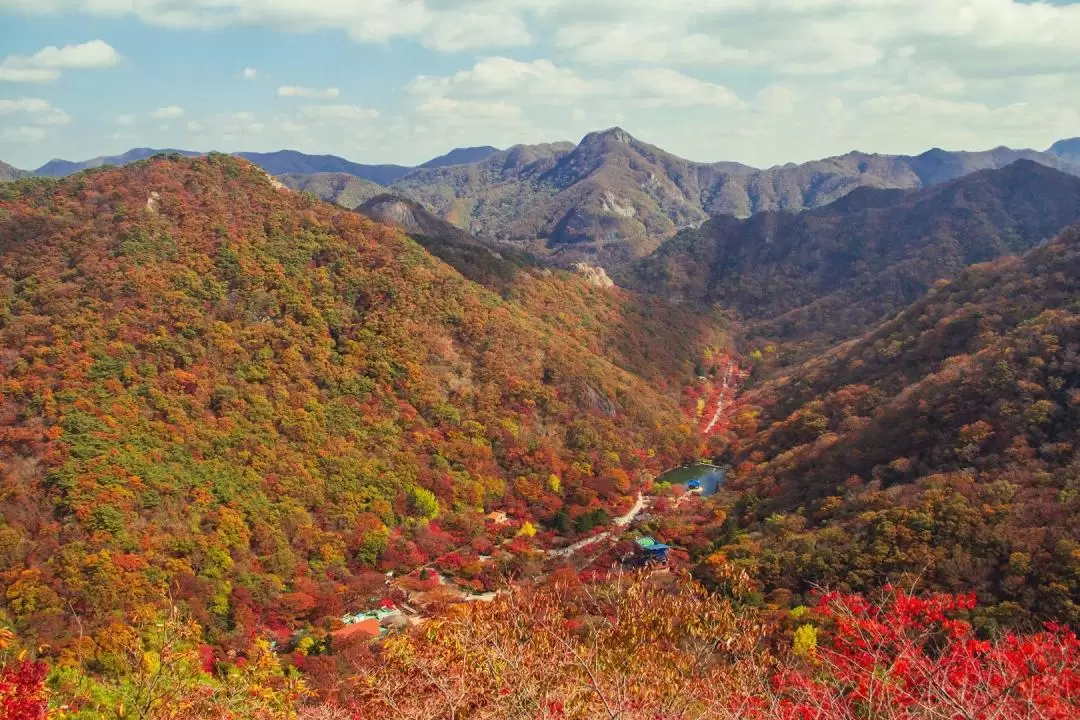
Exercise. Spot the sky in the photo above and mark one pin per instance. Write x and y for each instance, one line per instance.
(762, 82)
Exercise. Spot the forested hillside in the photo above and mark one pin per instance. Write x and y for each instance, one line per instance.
(346, 190)
(667, 344)
(941, 449)
(233, 398)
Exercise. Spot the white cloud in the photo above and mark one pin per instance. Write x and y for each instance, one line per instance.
(47, 64)
(475, 29)
(21, 133)
(450, 26)
(29, 117)
(93, 54)
(502, 83)
(34, 111)
(668, 88)
(813, 77)
(55, 116)
(27, 75)
(306, 92)
(350, 113)
(541, 80)
(126, 120)
(249, 73)
(606, 43)
(23, 105)
(446, 108)
(195, 126)
(167, 113)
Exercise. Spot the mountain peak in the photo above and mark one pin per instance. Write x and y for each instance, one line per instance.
(613, 134)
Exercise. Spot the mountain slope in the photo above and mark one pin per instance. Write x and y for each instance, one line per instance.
(1067, 150)
(461, 156)
(283, 162)
(670, 346)
(343, 189)
(7, 172)
(828, 274)
(247, 399)
(613, 198)
(942, 446)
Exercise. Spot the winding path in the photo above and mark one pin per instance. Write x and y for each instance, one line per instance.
(640, 504)
(720, 404)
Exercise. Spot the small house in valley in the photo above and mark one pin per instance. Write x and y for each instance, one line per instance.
(652, 551)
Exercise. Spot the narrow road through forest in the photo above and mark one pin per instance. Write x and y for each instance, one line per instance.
(721, 401)
(640, 504)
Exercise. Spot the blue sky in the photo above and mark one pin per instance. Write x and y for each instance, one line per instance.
(761, 82)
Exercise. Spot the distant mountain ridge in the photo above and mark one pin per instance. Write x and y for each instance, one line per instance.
(611, 198)
(63, 168)
(461, 156)
(830, 272)
(282, 162)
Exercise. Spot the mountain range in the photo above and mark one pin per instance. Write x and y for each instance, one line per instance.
(282, 162)
(611, 198)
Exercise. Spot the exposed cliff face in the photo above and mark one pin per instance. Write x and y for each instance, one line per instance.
(595, 276)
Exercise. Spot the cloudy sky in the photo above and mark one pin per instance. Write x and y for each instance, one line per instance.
(757, 81)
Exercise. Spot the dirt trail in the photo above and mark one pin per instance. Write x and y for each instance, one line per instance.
(640, 504)
(721, 399)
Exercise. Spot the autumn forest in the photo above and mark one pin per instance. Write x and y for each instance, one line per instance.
(266, 456)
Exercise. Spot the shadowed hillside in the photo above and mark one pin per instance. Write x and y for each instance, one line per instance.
(825, 275)
(940, 449)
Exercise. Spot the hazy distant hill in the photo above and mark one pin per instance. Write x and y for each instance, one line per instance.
(836, 269)
(611, 198)
(461, 156)
(290, 161)
(63, 168)
(282, 162)
(341, 188)
(1068, 150)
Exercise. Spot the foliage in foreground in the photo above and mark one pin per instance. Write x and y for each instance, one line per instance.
(663, 647)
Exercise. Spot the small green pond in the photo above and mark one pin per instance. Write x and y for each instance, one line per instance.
(710, 477)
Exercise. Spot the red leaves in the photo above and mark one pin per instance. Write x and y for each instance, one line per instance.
(910, 657)
(22, 691)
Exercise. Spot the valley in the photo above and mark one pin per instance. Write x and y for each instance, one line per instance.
(300, 436)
